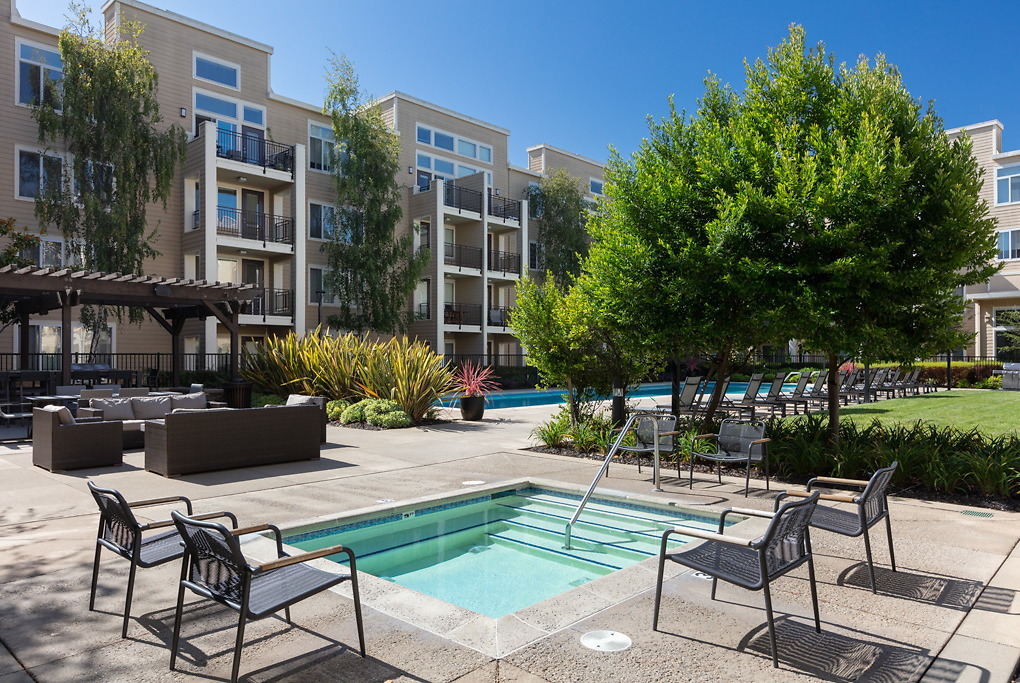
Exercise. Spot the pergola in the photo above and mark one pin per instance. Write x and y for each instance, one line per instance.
(170, 302)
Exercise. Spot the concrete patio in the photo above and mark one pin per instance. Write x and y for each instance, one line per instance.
(950, 613)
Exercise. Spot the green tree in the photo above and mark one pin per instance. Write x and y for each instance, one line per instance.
(119, 155)
(17, 243)
(1008, 341)
(558, 204)
(373, 272)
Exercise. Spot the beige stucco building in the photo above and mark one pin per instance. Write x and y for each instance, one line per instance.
(252, 202)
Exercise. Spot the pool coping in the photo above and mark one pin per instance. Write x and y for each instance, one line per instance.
(495, 637)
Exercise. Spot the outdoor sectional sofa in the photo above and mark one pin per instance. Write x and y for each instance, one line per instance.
(134, 411)
(62, 443)
(190, 441)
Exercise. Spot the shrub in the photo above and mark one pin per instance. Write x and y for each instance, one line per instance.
(397, 419)
(407, 372)
(354, 413)
(261, 400)
(993, 382)
(335, 408)
(554, 433)
(377, 412)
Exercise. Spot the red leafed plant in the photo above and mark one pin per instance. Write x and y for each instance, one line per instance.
(474, 380)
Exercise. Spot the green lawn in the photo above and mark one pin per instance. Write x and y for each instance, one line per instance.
(992, 412)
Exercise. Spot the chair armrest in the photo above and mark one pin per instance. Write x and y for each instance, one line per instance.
(90, 412)
(758, 441)
(742, 511)
(263, 527)
(303, 557)
(206, 515)
(673, 433)
(216, 404)
(87, 420)
(713, 536)
(838, 480)
(704, 436)
(823, 496)
(160, 501)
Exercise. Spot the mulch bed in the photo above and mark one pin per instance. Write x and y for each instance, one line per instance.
(989, 502)
(373, 428)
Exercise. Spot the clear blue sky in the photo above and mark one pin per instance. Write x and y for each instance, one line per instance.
(585, 75)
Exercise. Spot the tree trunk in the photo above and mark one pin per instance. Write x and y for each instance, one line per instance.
(572, 398)
(721, 372)
(834, 383)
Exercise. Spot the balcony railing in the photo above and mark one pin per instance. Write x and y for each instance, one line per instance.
(270, 302)
(462, 255)
(423, 312)
(504, 208)
(251, 225)
(252, 150)
(499, 316)
(505, 262)
(462, 314)
(462, 198)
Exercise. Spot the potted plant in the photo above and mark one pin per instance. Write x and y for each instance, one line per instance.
(474, 381)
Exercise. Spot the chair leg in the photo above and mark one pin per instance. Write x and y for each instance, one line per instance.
(765, 461)
(772, 625)
(238, 643)
(888, 532)
(747, 479)
(814, 593)
(658, 590)
(357, 609)
(95, 577)
(175, 642)
(715, 583)
(871, 563)
(127, 601)
(692, 471)
(286, 615)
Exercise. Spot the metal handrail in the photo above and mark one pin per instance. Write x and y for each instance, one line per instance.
(605, 466)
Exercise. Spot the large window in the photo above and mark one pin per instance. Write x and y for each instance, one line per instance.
(45, 338)
(1006, 320)
(453, 143)
(40, 73)
(321, 220)
(595, 186)
(316, 284)
(1009, 244)
(443, 169)
(320, 147)
(217, 71)
(536, 256)
(1007, 185)
(37, 173)
(49, 253)
(229, 115)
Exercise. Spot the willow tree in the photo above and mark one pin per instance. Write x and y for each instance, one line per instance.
(373, 271)
(118, 157)
(18, 244)
(561, 214)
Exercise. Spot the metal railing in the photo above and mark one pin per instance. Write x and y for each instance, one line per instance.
(505, 262)
(462, 314)
(270, 302)
(499, 316)
(462, 198)
(252, 150)
(508, 360)
(251, 225)
(504, 208)
(462, 255)
(423, 312)
(135, 362)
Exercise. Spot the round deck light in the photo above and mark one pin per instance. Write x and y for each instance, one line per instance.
(606, 641)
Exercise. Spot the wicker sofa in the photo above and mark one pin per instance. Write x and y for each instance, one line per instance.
(190, 441)
(134, 411)
(61, 442)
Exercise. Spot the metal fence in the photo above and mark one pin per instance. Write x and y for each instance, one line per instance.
(135, 362)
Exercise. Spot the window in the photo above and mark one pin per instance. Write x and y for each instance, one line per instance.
(254, 115)
(37, 173)
(536, 256)
(45, 338)
(40, 73)
(595, 186)
(316, 284)
(216, 71)
(465, 170)
(48, 253)
(215, 105)
(424, 135)
(443, 141)
(1009, 244)
(320, 147)
(1005, 320)
(468, 149)
(443, 166)
(453, 143)
(96, 180)
(1007, 185)
(485, 154)
(321, 221)
(534, 197)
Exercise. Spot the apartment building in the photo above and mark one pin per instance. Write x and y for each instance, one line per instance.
(253, 201)
(1001, 190)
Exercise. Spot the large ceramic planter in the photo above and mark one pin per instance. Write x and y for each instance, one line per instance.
(472, 407)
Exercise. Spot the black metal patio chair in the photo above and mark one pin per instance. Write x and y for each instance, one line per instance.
(749, 563)
(738, 441)
(122, 533)
(215, 568)
(870, 507)
(644, 437)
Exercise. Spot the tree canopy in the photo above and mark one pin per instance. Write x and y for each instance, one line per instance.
(557, 203)
(372, 270)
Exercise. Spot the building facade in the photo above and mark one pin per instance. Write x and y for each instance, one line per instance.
(253, 201)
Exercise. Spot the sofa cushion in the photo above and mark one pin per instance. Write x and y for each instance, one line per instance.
(114, 408)
(63, 414)
(183, 411)
(196, 400)
(301, 400)
(150, 407)
(133, 425)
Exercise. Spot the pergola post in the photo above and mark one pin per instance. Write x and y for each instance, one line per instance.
(23, 337)
(66, 337)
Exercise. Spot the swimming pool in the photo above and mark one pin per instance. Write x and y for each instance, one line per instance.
(499, 552)
(539, 397)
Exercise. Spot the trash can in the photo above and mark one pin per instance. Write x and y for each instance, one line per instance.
(237, 394)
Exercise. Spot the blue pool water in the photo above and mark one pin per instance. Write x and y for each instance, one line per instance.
(539, 397)
(498, 553)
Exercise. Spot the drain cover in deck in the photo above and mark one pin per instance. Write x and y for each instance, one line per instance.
(605, 641)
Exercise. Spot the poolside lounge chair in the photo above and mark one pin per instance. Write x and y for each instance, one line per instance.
(796, 396)
(768, 402)
(738, 441)
(687, 400)
(215, 568)
(750, 564)
(750, 393)
(120, 532)
(870, 507)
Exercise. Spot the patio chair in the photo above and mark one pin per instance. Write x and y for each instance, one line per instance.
(215, 568)
(750, 564)
(738, 441)
(128, 392)
(687, 399)
(122, 533)
(644, 437)
(750, 393)
(796, 396)
(768, 402)
(87, 395)
(14, 412)
(870, 507)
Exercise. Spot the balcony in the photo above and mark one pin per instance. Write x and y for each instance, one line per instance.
(504, 262)
(270, 302)
(461, 198)
(499, 316)
(462, 314)
(251, 225)
(462, 255)
(504, 208)
(255, 151)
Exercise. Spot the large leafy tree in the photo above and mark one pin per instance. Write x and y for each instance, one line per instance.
(120, 157)
(560, 214)
(373, 271)
(18, 244)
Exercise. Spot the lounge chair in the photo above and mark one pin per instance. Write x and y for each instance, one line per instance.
(750, 564)
(796, 396)
(870, 507)
(120, 532)
(750, 393)
(770, 401)
(738, 441)
(687, 400)
(215, 568)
